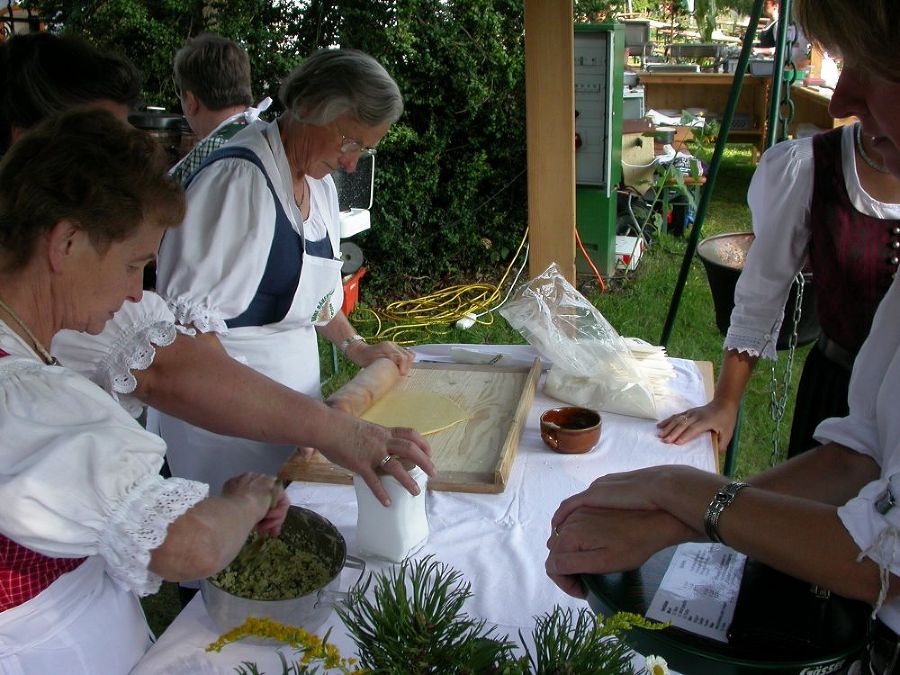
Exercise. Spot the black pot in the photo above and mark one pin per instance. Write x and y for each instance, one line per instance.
(165, 127)
(723, 257)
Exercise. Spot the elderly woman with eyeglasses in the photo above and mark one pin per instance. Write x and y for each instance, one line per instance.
(256, 267)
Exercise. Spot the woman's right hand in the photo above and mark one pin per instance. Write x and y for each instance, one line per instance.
(714, 416)
(266, 494)
(365, 446)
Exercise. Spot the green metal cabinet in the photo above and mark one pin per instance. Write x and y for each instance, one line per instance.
(599, 88)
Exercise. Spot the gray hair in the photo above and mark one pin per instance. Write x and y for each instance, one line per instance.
(216, 69)
(333, 82)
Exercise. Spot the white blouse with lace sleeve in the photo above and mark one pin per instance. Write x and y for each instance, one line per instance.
(779, 197)
(210, 267)
(79, 476)
(873, 428)
(128, 343)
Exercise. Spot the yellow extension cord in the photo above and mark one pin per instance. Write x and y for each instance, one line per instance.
(415, 320)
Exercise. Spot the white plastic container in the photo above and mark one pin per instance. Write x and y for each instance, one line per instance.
(395, 531)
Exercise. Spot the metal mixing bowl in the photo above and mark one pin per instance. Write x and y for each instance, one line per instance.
(308, 611)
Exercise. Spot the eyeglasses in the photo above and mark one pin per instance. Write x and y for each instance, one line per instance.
(350, 145)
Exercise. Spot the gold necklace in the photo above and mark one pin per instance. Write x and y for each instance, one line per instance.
(862, 152)
(46, 357)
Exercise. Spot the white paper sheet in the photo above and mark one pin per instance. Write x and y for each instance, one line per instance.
(699, 589)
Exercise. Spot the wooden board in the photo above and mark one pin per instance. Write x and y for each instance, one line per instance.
(709, 386)
(474, 456)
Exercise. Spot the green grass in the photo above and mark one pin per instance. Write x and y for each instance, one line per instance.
(635, 305)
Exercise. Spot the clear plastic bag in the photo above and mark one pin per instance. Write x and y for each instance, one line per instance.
(592, 364)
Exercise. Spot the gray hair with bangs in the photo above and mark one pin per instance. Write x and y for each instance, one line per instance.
(334, 82)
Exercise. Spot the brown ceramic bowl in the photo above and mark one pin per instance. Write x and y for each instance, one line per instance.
(571, 430)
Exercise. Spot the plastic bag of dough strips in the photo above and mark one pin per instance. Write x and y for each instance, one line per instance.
(593, 365)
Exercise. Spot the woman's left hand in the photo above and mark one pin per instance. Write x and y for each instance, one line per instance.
(274, 518)
(362, 354)
(600, 541)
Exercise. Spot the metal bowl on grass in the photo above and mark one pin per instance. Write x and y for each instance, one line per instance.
(307, 611)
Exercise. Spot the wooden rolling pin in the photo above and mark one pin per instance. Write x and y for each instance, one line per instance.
(366, 387)
(355, 397)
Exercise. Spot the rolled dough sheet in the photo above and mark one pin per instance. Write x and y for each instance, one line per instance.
(425, 411)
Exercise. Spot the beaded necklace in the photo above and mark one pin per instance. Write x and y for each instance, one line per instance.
(862, 152)
(46, 357)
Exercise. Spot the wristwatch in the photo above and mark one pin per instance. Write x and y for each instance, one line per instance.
(720, 501)
(346, 342)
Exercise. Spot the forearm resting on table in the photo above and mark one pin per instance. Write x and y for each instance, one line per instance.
(802, 538)
(797, 535)
(832, 474)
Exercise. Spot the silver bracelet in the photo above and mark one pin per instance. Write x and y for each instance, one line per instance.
(347, 341)
(720, 501)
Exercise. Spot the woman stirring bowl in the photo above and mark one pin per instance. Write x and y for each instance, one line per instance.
(88, 523)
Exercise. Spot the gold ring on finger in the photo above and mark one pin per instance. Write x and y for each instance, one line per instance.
(384, 460)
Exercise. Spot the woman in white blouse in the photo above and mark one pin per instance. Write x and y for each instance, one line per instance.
(88, 523)
(831, 201)
(255, 269)
(830, 516)
(142, 357)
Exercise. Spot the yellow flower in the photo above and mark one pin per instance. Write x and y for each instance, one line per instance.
(656, 665)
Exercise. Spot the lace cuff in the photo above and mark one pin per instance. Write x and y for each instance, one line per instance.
(752, 343)
(139, 525)
(206, 320)
(883, 551)
(133, 350)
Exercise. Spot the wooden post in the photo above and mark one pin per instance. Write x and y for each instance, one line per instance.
(815, 62)
(550, 133)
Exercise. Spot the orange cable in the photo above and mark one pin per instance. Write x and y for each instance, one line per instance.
(590, 262)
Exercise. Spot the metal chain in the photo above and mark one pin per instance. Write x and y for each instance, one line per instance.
(786, 104)
(778, 397)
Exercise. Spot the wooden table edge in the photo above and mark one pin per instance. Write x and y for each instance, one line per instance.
(709, 387)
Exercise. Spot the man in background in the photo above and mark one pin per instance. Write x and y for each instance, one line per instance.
(212, 80)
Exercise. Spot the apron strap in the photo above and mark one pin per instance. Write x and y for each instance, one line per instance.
(278, 285)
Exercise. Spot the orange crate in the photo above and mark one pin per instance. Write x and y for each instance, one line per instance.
(351, 290)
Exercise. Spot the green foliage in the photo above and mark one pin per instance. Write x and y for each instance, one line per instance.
(149, 32)
(297, 666)
(705, 16)
(596, 11)
(415, 624)
(450, 185)
(584, 646)
(450, 189)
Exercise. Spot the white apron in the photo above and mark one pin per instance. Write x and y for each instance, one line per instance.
(286, 351)
(82, 624)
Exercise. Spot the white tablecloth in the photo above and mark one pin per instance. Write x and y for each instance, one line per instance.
(496, 541)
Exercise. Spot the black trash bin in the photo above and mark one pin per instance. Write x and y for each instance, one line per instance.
(723, 257)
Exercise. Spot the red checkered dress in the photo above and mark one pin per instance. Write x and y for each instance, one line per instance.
(25, 573)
